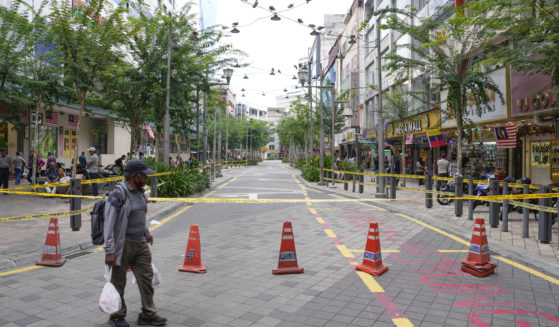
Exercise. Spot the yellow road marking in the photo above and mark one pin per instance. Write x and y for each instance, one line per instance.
(313, 211)
(329, 232)
(345, 252)
(357, 201)
(11, 272)
(164, 221)
(320, 220)
(402, 322)
(529, 270)
(370, 282)
(440, 231)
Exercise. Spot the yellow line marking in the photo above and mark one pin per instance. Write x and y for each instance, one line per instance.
(152, 228)
(320, 220)
(387, 250)
(313, 211)
(329, 232)
(370, 282)
(11, 272)
(402, 322)
(345, 252)
(440, 231)
(452, 251)
(529, 270)
(365, 204)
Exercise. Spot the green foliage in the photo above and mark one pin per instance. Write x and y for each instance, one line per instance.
(311, 170)
(183, 182)
(253, 162)
(285, 159)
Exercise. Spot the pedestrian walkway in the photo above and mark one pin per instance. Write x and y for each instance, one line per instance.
(414, 202)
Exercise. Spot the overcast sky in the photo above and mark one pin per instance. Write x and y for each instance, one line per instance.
(272, 44)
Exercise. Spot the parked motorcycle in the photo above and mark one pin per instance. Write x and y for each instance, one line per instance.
(450, 186)
(481, 191)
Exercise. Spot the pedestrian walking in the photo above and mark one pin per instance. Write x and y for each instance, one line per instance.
(19, 164)
(40, 163)
(420, 169)
(126, 242)
(53, 176)
(6, 167)
(93, 168)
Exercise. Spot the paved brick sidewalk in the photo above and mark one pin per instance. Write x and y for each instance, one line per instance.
(416, 201)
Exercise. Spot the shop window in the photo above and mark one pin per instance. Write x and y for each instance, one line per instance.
(101, 143)
(47, 141)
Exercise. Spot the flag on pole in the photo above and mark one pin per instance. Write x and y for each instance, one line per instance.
(436, 139)
(150, 132)
(506, 136)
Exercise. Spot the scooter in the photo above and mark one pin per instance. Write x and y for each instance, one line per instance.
(450, 186)
(481, 191)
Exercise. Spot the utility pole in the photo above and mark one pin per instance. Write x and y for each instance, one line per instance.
(215, 132)
(321, 182)
(226, 132)
(381, 193)
(310, 112)
(205, 129)
(332, 139)
(167, 119)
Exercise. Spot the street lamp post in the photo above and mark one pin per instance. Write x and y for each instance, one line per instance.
(303, 77)
(228, 73)
(380, 193)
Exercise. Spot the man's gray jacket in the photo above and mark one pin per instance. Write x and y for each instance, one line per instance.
(117, 211)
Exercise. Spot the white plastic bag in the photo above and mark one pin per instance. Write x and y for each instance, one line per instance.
(156, 277)
(109, 302)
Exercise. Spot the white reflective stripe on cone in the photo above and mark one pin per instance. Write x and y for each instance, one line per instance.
(288, 230)
(288, 237)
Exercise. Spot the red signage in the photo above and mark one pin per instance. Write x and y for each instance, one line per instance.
(529, 94)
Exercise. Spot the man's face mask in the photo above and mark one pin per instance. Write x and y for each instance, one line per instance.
(140, 181)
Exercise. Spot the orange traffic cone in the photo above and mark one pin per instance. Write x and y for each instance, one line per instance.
(51, 253)
(478, 263)
(287, 263)
(372, 258)
(193, 256)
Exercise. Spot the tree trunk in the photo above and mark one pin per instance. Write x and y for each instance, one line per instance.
(215, 136)
(459, 129)
(157, 135)
(205, 129)
(35, 141)
(197, 123)
(178, 146)
(403, 163)
(81, 95)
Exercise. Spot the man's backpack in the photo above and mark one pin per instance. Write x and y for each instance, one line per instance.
(98, 220)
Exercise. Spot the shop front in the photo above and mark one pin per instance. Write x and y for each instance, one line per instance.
(12, 133)
(409, 137)
(481, 153)
(348, 144)
(536, 111)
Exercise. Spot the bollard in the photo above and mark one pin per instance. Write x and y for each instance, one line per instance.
(428, 188)
(505, 210)
(459, 192)
(353, 177)
(212, 170)
(493, 206)
(544, 219)
(153, 192)
(526, 214)
(361, 181)
(393, 187)
(346, 177)
(75, 204)
(471, 201)
(387, 186)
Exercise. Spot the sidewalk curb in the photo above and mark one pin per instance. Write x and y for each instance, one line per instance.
(26, 259)
(529, 259)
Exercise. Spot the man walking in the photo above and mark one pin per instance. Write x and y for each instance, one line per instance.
(6, 167)
(126, 242)
(83, 161)
(19, 163)
(93, 168)
(442, 169)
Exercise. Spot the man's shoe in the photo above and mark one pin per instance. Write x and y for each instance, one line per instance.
(155, 321)
(118, 323)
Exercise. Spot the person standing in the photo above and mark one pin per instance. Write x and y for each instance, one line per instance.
(19, 164)
(83, 161)
(93, 169)
(126, 242)
(420, 169)
(6, 167)
(119, 164)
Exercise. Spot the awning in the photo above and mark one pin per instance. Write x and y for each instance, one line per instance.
(367, 141)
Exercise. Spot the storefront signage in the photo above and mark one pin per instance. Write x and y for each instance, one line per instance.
(370, 133)
(484, 135)
(540, 153)
(415, 125)
(348, 135)
(497, 111)
(527, 95)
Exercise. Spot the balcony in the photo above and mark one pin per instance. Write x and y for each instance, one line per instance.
(430, 10)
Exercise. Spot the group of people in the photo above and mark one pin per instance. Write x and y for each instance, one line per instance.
(54, 172)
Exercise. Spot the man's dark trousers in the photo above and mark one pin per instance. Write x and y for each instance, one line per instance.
(95, 186)
(138, 257)
(4, 177)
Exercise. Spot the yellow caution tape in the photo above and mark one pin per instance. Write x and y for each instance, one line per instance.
(533, 206)
(45, 215)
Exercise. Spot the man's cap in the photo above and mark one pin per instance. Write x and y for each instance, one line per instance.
(91, 149)
(137, 166)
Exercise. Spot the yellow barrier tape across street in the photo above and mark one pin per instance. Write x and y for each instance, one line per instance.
(46, 215)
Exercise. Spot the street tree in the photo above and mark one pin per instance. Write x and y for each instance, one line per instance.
(398, 109)
(449, 51)
(87, 38)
